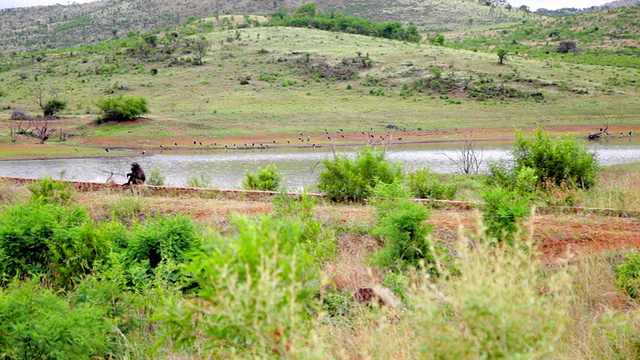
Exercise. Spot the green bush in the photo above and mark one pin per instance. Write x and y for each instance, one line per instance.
(157, 241)
(156, 177)
(628, 274)
(35, 323)
(502, 212)
(49, 191)
(253, 293)
(402, 228)
(425, 184)
(58, 242)
(267, 179)
(354, 180)
(561, 162)
(317, 240)
(53, 107)
(122, 108)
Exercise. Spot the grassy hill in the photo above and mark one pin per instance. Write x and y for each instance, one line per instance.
(608, 37)
(276, 82)
(49, 27)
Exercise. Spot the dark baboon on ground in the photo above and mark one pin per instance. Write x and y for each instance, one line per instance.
(136, 176)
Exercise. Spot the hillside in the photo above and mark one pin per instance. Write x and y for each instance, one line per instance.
(53, 27)
(607, 37)
(260, 83)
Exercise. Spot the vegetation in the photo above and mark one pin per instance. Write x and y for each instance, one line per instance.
(307, 16)
(122, 108)
(267, 179)
(354, 180)
(543, 162)
(53, 106)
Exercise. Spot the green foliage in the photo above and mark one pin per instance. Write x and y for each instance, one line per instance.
(156, 242)
(53, 107)
(307, 16)
(202, 181)
(354, 180)
(402, 228)
(561, 162)
(49, 191)
(316, 239)
(502, 55)
(502, 212)
(127, 209)
(38, 324)
(267, 179)
(253, 292)
(122, 108)
(425, 184)
(628, 274)
(156, 177)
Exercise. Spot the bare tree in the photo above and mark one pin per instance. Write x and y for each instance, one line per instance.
(42, 129)
(200, 48)
(469, 159)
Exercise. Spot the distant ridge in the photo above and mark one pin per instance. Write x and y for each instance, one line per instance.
(62, 26)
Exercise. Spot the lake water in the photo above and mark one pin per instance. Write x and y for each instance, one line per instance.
(226, 169)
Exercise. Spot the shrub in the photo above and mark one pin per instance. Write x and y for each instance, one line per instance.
(157, 241)
(542, 161)
(156, 177)
(354, 180)
(252, 296)
(49, 191)
(317, 240)
(628, 274)
(122, 108)
(53, 106)
(562, 161)
(402, 228)
(267, 179)
(38, 324)
(425, 184)
(502, 212)
(58, 242)
(19, 115)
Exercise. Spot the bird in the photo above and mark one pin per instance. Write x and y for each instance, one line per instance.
(144, 153)
(630, 132)
(300, 134)
(313, 146)
(372, 136)
(253, 144)
(274, 141)
(106, 149)
(288, 142)
(161, 147)
(341, 130)
(226, 147)
(308, 138)
(399, 138)
(215, 143)
(194, 142)
(200, 143)
(175, 144)
(342, 135)
(328, 137)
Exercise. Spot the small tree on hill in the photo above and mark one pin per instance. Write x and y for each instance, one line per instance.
(502, 55)
(122, 108)
(200, 49)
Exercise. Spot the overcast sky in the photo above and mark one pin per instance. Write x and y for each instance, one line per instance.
(532, 4)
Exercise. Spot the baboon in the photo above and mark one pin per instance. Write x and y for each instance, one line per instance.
(136, 176)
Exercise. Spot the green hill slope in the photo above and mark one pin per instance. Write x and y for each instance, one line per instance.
(49, 27)
(282, 81)
(608, 37)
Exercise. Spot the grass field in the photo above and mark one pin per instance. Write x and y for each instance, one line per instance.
(284, 97)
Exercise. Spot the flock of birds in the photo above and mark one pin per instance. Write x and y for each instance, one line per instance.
(303, 140)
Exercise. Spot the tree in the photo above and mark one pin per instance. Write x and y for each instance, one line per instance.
(502, 55)
(53, 107)
(200, 48)
(122, 108)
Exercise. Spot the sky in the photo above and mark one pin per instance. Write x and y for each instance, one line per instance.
(532, 4)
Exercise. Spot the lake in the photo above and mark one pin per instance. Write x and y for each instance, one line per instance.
(300, 167)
